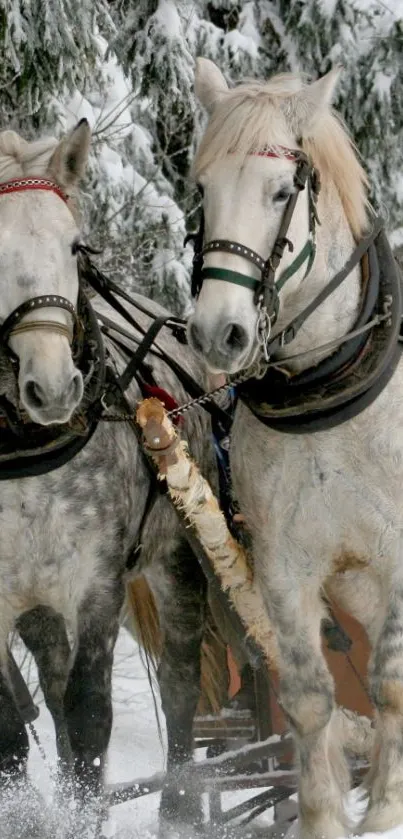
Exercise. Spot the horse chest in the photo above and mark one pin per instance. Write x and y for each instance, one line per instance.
(321, 496)
(46, 555)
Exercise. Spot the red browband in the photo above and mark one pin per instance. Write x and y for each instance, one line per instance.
(278, 151)
(23, 184)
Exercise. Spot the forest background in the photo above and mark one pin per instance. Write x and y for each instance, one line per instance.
(128, 65)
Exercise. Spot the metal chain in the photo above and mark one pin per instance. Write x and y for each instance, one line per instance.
(252, 372)
(208, 397)
(256, 371)
(35, 737)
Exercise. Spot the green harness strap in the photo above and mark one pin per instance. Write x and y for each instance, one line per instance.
(230, 277)
(308, 252)
(235, 277)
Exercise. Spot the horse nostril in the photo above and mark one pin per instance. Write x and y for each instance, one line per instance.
(68, 396)
(34, 395)
(235, 337)
(76, 388)
(195, 337)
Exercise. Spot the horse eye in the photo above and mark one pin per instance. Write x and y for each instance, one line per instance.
(282, 195)
(201, 189)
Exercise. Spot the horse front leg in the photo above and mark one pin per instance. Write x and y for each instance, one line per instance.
(307, 697)
(88, 700)
(44, 634)
(180, 592)
(22, 811)
(385, 809)
(14, 744)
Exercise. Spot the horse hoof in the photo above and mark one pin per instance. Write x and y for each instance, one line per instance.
(182, 807)
(381, 818)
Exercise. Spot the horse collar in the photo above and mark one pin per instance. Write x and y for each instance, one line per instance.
(346, 382)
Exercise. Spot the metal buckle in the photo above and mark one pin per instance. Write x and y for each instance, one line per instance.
(103, 403)
(263, 328)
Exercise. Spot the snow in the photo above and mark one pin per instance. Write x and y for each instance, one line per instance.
(393, 8)
(382, 83)
(168, 18)
(137, 752)
(238, 42)
(396, 238)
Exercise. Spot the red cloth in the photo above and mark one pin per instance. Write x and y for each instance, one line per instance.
(167, 400)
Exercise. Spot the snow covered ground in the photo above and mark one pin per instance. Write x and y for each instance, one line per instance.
(135, 751)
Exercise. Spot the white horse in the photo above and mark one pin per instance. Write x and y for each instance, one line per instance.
(69, 524)
(325, 509)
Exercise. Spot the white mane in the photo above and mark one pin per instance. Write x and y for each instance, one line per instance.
(256, 114)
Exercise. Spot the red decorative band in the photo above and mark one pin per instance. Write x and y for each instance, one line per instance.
(24, 184)
(279, 152)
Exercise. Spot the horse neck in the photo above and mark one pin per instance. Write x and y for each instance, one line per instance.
(334, 318)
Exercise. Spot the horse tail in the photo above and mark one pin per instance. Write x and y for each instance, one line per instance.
(143, 620)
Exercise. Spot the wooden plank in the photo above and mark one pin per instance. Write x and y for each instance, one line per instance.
(240, 759)
(224, 728)
(254, 806)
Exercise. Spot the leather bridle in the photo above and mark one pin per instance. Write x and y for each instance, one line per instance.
(14, 324)
(266, 289)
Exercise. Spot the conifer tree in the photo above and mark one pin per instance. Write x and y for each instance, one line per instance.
(310, 36)
(128, 66)
(47, 50)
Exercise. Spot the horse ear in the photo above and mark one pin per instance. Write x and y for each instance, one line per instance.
(68, 162)
(210, 84)
(313, 100)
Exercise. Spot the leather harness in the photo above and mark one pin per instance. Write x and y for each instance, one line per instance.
(350, 378)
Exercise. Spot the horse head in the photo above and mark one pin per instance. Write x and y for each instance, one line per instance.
(258, 166)
(39, 284)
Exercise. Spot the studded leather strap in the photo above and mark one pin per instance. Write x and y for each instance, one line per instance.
(45, 301)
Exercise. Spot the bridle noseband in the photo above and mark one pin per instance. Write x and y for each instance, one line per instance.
(266, 289)
(12, 325)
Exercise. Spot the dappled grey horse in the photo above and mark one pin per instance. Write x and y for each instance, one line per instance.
(67, 533)
(313, 312)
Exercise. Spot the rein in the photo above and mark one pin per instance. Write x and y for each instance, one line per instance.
(112, 390)
(290, 331)
(28, 449)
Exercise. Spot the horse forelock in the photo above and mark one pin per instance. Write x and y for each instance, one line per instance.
(256, 114)
(19, 157)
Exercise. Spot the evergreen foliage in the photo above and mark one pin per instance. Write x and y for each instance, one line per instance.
(127, 65)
